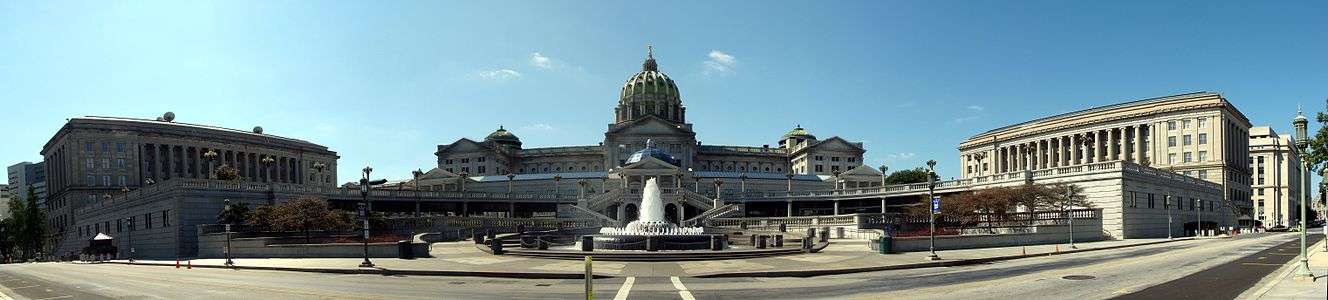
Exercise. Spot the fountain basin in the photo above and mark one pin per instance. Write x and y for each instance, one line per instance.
(658, 242)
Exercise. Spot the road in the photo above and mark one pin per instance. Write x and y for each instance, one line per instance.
(1114, 273)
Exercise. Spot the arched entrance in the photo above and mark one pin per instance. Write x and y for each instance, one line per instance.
(612, 211)
(630, 213)
(671, 213)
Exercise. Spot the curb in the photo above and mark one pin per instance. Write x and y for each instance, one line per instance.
(943, 263)
(384, 271)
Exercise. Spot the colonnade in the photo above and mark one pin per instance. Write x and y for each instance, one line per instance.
(162, 162)
(1126, 143)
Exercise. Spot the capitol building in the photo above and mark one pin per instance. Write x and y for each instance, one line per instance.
(650, 108)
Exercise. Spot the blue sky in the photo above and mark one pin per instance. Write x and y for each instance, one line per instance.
(385, 83)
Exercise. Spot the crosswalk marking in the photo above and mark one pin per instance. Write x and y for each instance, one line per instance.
(682, 290)
(625, 289)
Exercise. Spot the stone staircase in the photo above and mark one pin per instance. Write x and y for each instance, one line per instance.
(720, 212)
(576, 211)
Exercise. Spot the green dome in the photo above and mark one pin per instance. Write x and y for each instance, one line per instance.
(798, 132)
(502, 136)
(649, 82)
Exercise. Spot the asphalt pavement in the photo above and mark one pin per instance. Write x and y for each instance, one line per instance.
(1228, 280)
(1105, 274)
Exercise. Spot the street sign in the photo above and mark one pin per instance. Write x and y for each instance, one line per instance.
(360, 210)
(936, 204)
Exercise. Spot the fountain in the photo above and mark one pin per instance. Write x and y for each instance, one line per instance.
(651, 231)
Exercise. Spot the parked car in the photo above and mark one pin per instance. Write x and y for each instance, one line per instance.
(1278, 228)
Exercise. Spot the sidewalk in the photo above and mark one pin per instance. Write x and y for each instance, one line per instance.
(841, 257)
(1283, 285)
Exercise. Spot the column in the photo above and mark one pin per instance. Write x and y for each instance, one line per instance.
(789, 211)
(1037, 155)
(1056, 152)
(836, 207)
(1114, 140)
(1139, 143)
(681, 211)
(1074, 149)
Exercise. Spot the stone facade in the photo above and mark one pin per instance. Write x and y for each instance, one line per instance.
(95, 158)
(650, 107)
(1197, 134)
(1277, 177)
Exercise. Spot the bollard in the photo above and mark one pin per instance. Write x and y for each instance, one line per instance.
(651, 244)
(779, 241)
(587, 243)
(590, 280)
(716, 244)
(760, 241)
(496, 246)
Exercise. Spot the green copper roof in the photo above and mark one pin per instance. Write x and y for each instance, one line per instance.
(798, 131)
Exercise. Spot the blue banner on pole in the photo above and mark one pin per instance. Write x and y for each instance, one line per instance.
(936, 204)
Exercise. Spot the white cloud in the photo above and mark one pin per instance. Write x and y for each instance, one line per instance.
(976, 107)
(540, 61)
(962, 120)
(501, 74)
(720, 63)
(900, 156)
(536, 126)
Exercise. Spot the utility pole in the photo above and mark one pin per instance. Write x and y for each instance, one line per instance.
(1300, 123)
(931, 194)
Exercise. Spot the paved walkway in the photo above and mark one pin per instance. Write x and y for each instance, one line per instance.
(842, 256)
(1283, 285)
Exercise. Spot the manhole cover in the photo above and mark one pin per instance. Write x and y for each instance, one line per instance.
(1078, 277)
(457, 282)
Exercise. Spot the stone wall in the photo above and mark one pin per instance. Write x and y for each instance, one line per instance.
(1090, 230)
(214, 246)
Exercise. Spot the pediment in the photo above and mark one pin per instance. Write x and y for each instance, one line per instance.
(862, 170)
(650, 126)
(836, 143)
(465, 145)
(650, 163)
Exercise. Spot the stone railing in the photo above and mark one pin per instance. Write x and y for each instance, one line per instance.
(877, 220)
(603, 200)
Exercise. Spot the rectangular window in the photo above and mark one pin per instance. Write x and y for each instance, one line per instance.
(147, 221)
(1203, 174)
(1171, 158)
(1189, 157)
(834, 158)
(481, 159)
(1203, 138)
(105, 163)
(1151, 202)
(122, 181)
(1187, 124)
(467, 169)
(87, 147)
(481, 169)
(819, 168)
(465, 160)
(105, 147)
(119, 147)
(1171, 141)
(1134, 199)
(119, 226)
(1203, 155)
(165, 218)
(92, 163)
(834, 168)
(106, 180)
(820, 158)
(1171, 125)
(1260, 191)
(1203, 122)
(91, 181)
(447, 161)
(133, 223)
(1187, 140)
(120, 163)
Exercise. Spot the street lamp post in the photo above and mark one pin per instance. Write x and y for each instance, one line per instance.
(1300, 124)
(883, 168)
(131, 239)
(267, 168)
(227, 209)
(1198, 216)
(1166, 205)
(366, 208)
(1069, 214)
(931, 223)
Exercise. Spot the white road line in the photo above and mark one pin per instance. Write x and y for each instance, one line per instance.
(682, 290)
(625, 289)
(24, 287)
(57, 297)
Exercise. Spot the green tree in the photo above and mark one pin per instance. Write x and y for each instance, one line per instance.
(917, 175)
(233, 213)
(25, 229)
(306, 214)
